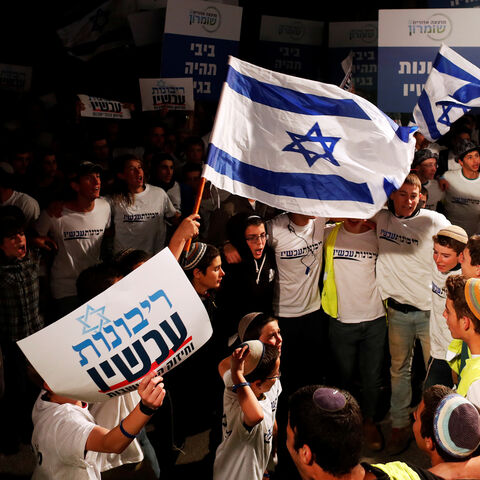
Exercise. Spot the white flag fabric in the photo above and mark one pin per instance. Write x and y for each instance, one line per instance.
(304, 146)
(451, 90)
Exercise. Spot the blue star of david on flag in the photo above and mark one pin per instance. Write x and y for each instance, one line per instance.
(313, 135)
(93, 320)
(446, 108)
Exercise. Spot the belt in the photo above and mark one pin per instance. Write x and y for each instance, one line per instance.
(401, 307)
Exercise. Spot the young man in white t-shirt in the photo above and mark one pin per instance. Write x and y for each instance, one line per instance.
(357, 327)
(139, 210)
(67, 441)
(448, 244)
(297, 242)
(405, 244)
(249, 405)
(462, 199)
(78, 232)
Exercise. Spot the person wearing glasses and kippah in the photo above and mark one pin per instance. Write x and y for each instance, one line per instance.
(248, 285)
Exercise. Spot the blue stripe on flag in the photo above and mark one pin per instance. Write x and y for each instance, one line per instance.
(300, 185)
(467, 93)
(444, 65)
(388, 187)
(292, 100)
(426, 109)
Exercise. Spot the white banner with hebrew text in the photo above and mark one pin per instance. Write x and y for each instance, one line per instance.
(152, 319)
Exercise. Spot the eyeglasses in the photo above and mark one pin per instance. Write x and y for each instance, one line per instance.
(255, 238)
(275, 377)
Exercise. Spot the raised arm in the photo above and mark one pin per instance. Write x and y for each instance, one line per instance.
(152, 393)
(187, 229)
(251, 408)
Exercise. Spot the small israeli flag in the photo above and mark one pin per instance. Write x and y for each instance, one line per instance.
(304, 146)
(451, 90)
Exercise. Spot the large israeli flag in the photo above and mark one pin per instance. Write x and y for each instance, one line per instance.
(451, 90)
(304, 146)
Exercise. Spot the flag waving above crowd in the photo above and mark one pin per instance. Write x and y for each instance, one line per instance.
(452, 89)
(304, 146)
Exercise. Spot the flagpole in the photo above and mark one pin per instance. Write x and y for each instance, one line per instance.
(202, 182)
(196, 208)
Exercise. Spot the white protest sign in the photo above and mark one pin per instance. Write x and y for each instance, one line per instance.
(101, 108)
(150, 320)
(170, 93)
(17, 78)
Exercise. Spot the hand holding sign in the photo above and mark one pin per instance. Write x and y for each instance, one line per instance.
(152, 391)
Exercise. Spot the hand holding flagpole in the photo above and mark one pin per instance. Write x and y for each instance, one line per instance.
(196, 208)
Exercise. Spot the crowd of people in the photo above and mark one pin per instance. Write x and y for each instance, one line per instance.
(341, 307)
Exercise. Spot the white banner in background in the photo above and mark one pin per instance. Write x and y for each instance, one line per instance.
(150, 320)
(97, 107)
(16, 78)
(170, 93)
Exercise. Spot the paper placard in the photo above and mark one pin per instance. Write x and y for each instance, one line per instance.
(97, 107)
(170, 93)
(150, 320)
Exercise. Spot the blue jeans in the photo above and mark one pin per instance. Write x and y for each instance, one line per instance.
(363, 345)
(403, 330)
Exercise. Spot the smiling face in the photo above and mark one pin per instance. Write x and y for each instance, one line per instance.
(14, 246)
(445, 257)
(88, 186)
(256, 237)
(165, 171)
(405, 199)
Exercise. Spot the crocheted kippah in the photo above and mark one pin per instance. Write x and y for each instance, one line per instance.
(329, 399)
(472, 295)
(456, 426)
(194, 255)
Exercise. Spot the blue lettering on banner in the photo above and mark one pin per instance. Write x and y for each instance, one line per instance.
(203, 59)
(105, 336)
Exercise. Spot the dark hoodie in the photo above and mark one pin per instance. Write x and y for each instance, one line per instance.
(247, 286)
